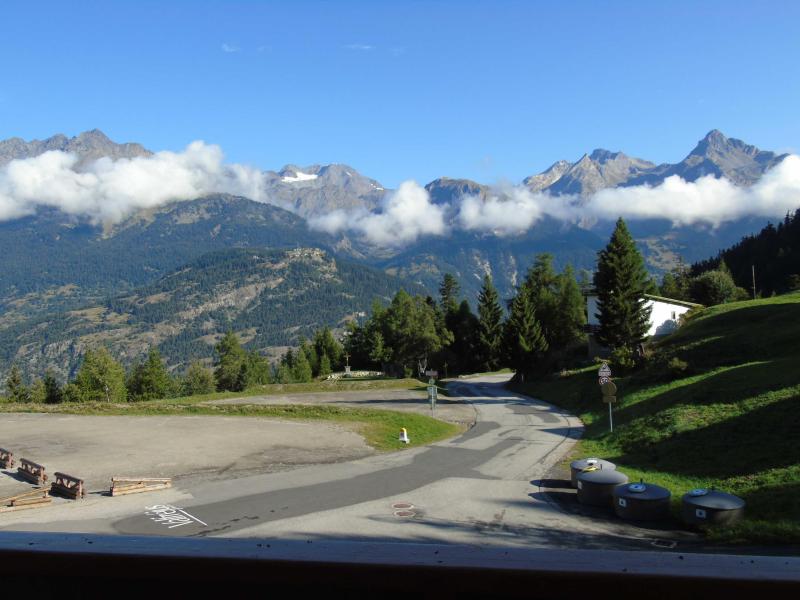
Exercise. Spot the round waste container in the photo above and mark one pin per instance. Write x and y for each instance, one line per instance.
(595, 487)
(711, 507)
(641, 501)
(588, 464)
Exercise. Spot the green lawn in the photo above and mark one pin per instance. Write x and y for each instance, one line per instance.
(380, 428)
(730, 419)
(340, 385)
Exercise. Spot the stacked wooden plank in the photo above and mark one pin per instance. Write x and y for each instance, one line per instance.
(32, 499)
(31, 471)
(68, 486)
(136, 485)
(6, 459)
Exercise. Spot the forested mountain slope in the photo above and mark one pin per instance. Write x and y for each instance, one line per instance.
(269, 297)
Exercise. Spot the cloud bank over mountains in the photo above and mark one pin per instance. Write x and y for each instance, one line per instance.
(707, 201)
(405, 215)
(511, 210)
(107, 190)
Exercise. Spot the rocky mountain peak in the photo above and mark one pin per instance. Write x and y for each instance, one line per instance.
(600, 155)
(88, 146)
(447, 191)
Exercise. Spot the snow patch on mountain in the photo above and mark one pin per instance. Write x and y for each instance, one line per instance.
(299, 176)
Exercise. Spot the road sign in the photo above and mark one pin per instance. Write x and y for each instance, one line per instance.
(605, 371)
(432, 396)
(603, 380)
(609, 399)
(608, 388)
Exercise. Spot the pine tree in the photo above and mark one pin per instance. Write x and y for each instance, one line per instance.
(52, 390)
(150, 380)
(411, 330)
(465, 345)
(100, 378)
(302, 370)
(490, 325)
(325, 343)
(311, 355)
(448, 294)
(17, 391)
(231, 357)
(570, 314)
(524, 338)
(621, 281)
(37, 392)
(283, 374)
(324, 366)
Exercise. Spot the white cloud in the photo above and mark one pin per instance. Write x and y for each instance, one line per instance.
(359, 47)
(405, 215)
(708, 201)
(230, 48)
(510, 211)
(108, 191)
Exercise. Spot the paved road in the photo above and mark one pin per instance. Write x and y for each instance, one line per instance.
(480, 488)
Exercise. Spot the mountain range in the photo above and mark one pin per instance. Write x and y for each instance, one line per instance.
(54, 264)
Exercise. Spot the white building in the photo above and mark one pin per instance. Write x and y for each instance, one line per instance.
(664, 316)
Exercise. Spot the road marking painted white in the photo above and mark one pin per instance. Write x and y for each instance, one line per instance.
(171, 516)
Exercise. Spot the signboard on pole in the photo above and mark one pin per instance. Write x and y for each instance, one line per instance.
(432, 396)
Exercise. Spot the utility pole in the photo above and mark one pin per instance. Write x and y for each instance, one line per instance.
(754, 281)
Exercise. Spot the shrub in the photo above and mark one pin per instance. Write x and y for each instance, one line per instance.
(622, 359)
(677, 367)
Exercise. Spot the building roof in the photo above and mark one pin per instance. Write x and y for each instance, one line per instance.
(672, 301)
(593, 292)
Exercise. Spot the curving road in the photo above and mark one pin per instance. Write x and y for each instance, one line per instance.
(480, 488)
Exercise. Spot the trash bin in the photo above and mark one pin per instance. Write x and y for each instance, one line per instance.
(711, 507)
(595, 487)
(641, 501)
(588, 464)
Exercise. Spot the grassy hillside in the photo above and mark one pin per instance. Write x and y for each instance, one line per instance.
(719, 404)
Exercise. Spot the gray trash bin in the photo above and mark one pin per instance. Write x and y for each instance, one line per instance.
(588, 464)
(711, 507)
(641, 501)
(595, 487)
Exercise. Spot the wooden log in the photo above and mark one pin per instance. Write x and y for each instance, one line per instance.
(33, 493)
(30, 501)
(38, 504)
(138, 488)
(141, 479)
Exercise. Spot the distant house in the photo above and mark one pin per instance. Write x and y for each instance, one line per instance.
(664, 317)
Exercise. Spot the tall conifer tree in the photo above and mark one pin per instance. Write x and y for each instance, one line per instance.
(448, 294)
(525, 341)
(621, 282)
(490, 325)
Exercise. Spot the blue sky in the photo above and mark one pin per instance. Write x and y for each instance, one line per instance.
(413, 90)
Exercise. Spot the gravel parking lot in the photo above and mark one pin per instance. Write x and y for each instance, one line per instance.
(95, 448)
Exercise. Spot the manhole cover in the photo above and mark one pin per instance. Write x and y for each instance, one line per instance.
(404, 513)
(402, 505)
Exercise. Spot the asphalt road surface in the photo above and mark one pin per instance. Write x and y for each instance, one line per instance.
(484, 487)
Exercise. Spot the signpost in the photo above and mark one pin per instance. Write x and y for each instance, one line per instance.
(432, 393)
(608, 390)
